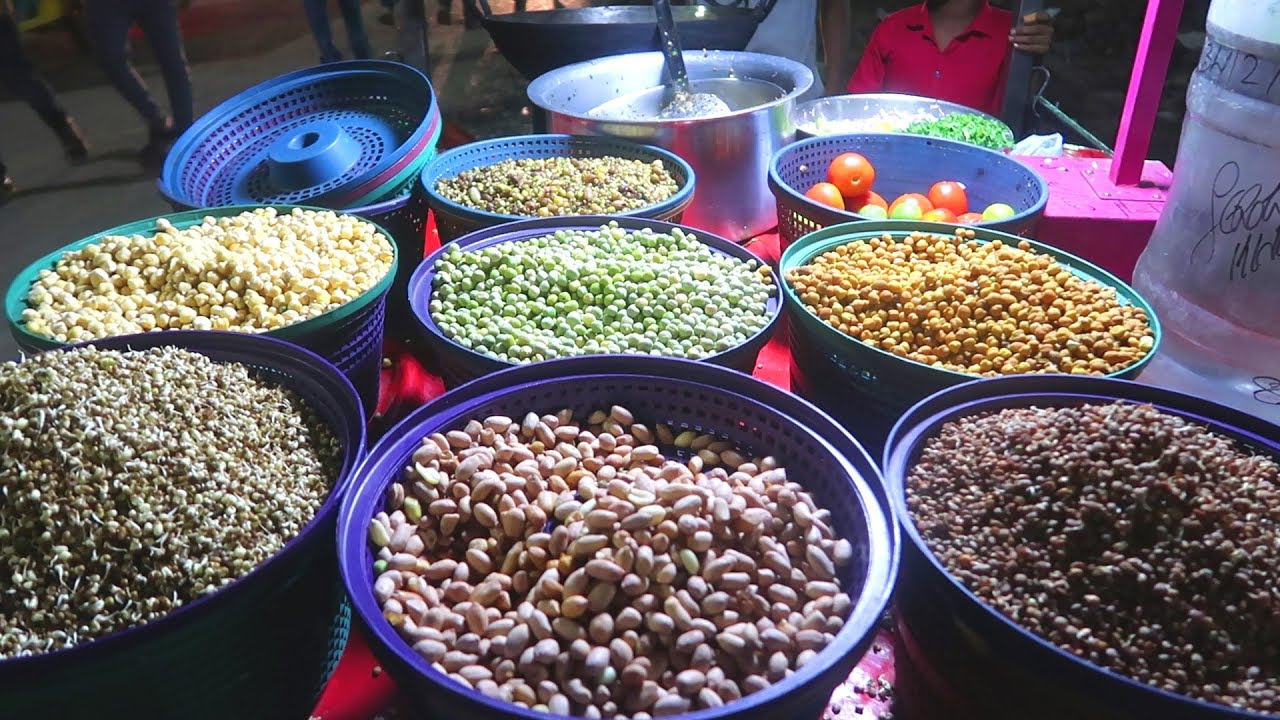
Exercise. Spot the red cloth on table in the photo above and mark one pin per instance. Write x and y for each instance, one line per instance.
(902, 56)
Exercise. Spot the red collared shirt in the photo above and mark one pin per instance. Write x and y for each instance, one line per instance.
(903, 57)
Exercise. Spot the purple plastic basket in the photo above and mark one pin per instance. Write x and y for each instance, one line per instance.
(904, 164)
(1010, 672)
(458, 364)
(685, 394)
(262, 647)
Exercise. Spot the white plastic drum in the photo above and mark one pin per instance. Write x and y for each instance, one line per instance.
(1212, 269)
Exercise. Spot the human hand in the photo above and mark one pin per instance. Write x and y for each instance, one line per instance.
(1034, 35)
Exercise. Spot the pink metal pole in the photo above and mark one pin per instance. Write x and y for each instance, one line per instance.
(1150, 66)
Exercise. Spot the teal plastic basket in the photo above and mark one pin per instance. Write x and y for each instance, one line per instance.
(349, 336)
(868, 388)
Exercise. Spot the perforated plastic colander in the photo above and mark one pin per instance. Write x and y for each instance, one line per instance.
(337, 135)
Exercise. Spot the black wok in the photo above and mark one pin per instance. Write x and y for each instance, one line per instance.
(535, 42)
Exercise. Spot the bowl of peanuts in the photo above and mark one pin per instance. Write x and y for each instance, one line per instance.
(883, 314)
(618, 537)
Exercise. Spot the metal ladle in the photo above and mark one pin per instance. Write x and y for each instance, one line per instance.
(680, 100)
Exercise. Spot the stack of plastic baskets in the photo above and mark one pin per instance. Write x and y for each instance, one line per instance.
(351, 136)
(349, 336)
(683, 394)
(260, 648)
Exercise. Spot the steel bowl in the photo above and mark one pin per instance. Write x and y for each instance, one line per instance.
(839, 113)
(730, 153)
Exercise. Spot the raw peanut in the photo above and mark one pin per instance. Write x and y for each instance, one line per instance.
(656, 575)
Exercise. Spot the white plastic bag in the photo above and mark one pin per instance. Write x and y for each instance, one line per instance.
(1039, 146)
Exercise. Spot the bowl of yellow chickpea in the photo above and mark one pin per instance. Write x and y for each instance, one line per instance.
(883, 314)
(311, 276)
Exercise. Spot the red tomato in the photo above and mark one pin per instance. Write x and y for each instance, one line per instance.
(941, 215)
(922, 201)
(969, 219)
(949, 195)
(826, 194)
(875, 199)
(852, 173)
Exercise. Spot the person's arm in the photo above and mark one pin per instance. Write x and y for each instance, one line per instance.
(1034, 35)
(834, 20)
(869, 76)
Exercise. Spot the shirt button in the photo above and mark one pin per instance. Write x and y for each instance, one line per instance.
(937, 73)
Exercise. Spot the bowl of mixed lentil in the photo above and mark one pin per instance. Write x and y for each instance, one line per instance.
(166, 524)
(883, 314)
(311, 276)
(666, 563)
(497, 181)
(541, 289)
(1089, 547)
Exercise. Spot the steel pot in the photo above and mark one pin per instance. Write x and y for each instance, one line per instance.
(730, 153)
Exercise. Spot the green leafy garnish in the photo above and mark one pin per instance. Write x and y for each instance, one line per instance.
(965, 127)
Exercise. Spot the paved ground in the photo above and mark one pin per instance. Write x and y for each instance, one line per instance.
(234, 44)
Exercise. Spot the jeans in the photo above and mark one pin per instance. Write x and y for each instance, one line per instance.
(17, 74)
(318, 19)
(108, 22)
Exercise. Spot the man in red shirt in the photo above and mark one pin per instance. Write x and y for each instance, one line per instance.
(953, 50)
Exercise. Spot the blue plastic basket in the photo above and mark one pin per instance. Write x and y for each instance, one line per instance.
(904, 164)
(262, 647)
(458, 364)
(337, 135)
(684, 394)
(454, 220)
(349, 336)
(972, 657)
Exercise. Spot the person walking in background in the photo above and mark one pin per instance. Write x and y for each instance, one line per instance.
(953, 50)
(17, 74)
(318, 19)
(444, 12)
(109, 22)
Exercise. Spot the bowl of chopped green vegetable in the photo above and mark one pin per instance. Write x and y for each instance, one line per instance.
(897, 113)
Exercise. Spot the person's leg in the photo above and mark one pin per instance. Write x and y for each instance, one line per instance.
(159, 22)
(354, 21)
(318, 18)
(108, 22)
(6, 183)
(17, 73)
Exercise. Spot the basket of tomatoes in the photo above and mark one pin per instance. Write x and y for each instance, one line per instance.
(842, 178)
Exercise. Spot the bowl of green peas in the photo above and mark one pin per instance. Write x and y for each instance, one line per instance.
(562, 287)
